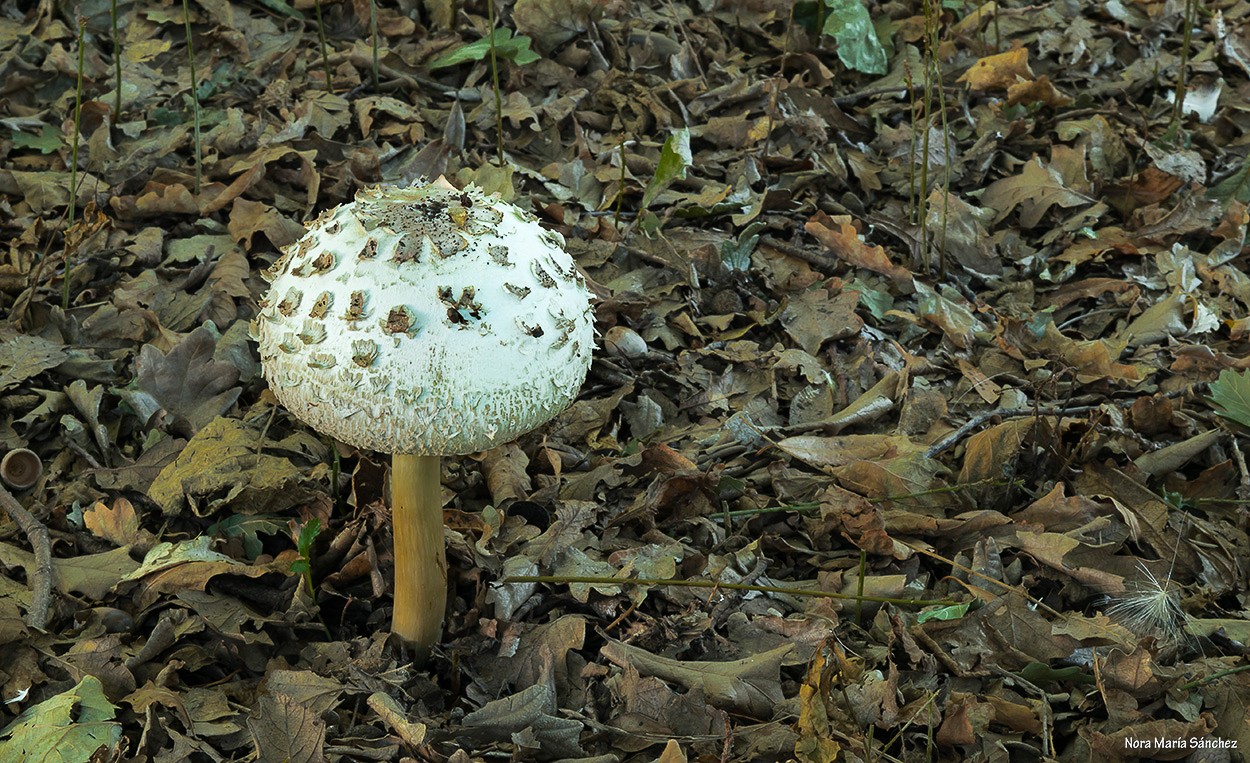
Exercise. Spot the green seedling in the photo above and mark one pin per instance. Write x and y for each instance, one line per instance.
(73, 167)
(308, 533)
(675, 158)
(195, 98)
(736, 255)
(514, 49)
(325, 56)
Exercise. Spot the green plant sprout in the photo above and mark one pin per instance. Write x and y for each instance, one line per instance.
(117, 64)
(498, 44)
(325, 57)
(195, 98)
(308, 533)
(73, 167)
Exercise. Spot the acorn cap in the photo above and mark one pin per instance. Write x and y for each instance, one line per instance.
(425, 320)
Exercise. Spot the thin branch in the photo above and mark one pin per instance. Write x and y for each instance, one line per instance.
(610, 581)
(41, 577)
(1014, 413)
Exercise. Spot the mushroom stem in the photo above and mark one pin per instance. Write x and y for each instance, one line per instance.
(420, 557)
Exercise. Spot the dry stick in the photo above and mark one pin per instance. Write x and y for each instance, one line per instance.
(1013, 413)
(41, 577)
(679, 583)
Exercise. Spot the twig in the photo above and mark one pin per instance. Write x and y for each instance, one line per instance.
(843, 100)
(41, 577)
(1013, 413)
(822, 263)
(613, 581)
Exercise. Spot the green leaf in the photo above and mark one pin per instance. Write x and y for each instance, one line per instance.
(1231, 396)
(67, 728)
(308, 533)
(736, 255)
(47, 141)
(1039, 672)
(1234, 187)
(514, 49)
(247, 529)
(876, 301)
(953, 612)
(850, 26)
(674, 159)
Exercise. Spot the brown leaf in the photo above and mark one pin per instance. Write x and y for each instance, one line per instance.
(187, 384)
(247, 218)
(843, 240)
(285, 731)
(999, 71)
(118, 525)
(816, 317)
(1035, 190)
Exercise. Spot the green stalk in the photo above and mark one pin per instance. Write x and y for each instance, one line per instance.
(195, 94)
(73, 168)
(373, 27)
(117, 64)
(494, 73)
(1178, 110)
(325, 56)
(420, 592)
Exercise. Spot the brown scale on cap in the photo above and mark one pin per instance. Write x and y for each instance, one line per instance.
(313, 332)
(290, 302)
(322, 305)
(321, 360)
(355, 307)
(544, 278)
(364, 352)
(400, 320)
(323, 263)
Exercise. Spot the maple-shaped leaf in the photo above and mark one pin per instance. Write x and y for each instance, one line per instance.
(1035, 190)
(1231, 395)
(69, 727)
(187, 384)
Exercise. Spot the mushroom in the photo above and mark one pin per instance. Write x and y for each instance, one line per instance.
(424, 321)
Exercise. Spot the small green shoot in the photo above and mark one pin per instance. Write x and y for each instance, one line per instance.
(73, 166)
(736, 255)
(514, 49)
(1230, 394)
(195, 98)
(373, 30)
(953, 612)
(675, 158)
(325, 56)
(117, 64)
(308, 533)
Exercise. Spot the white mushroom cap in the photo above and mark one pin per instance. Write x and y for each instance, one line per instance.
(426, 320)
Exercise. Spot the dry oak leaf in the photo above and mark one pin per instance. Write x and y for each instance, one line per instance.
(1035, 190)
(999, 71)
(188, 384)
(843, 240)
(1040, 90)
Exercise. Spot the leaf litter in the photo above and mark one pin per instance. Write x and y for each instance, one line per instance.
(928, 397)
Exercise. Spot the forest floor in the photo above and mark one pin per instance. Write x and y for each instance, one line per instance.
(922, 372)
